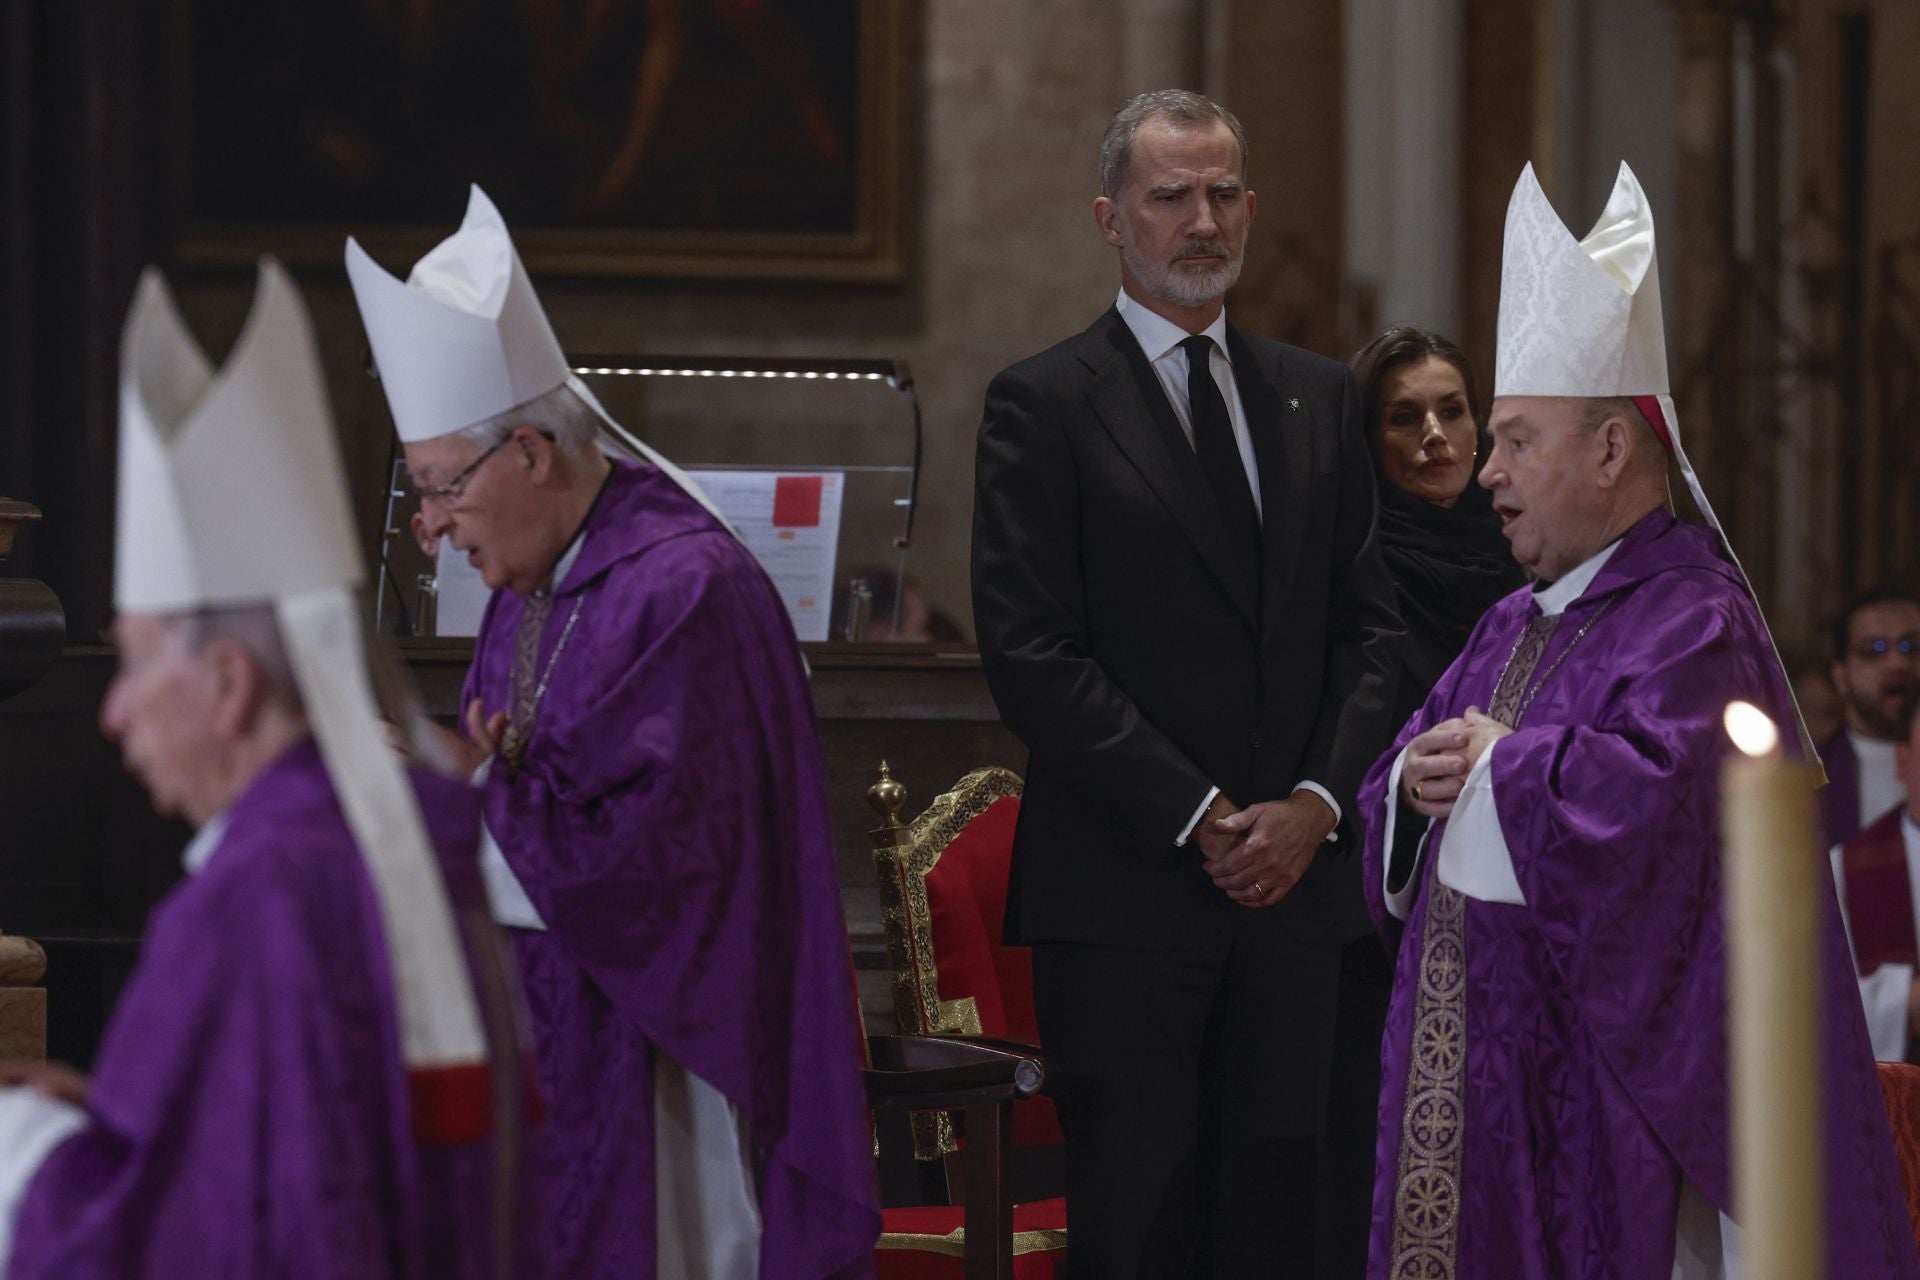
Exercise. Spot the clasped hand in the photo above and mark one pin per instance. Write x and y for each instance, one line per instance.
(1439, 760)
(1267, 845)
(468, 751)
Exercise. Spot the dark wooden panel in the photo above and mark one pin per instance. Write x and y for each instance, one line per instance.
(84, 857)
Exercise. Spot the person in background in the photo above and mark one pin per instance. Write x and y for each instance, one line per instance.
(1449, 564)
(1878, 874)
(1876, 668)
(918, 623)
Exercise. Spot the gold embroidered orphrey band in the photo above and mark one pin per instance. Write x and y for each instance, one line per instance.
(1426, 1194)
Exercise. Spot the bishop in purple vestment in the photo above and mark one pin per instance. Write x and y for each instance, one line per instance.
(656, 808)
(315, 1071)
(1563, 1058)
(249, 1114)
(1543, 841)
(668, 823)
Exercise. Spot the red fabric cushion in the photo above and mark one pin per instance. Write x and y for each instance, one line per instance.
(967, 899)
(1900, 1082)
(924, 1242)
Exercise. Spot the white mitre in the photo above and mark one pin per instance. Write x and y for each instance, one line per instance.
(230, 486)
(1582, 318)
(465, 339)
(232, 493)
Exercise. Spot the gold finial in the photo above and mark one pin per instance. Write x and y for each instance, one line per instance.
(886, 796)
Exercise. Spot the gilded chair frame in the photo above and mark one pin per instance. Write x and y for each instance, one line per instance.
(902, 857)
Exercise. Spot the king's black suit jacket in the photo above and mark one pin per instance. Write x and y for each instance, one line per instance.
(1136, 658)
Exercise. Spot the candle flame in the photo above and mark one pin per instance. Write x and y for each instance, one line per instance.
(1751, 729)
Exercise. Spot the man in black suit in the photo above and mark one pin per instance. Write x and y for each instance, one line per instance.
(1183, 615)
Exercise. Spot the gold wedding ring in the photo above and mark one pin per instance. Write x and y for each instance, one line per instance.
(1416, 791)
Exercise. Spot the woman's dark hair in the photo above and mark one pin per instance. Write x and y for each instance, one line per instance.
(1403, 345)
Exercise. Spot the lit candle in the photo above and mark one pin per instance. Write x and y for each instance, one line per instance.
(1770, 863)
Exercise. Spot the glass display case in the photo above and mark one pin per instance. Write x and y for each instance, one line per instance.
(815, 461)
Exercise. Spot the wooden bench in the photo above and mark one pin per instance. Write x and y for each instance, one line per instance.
(23, 1002)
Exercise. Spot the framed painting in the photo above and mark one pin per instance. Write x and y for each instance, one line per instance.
(741, 139)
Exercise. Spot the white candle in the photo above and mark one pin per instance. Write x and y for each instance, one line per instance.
(1770, 866)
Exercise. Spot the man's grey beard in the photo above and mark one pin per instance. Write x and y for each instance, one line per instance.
(1183, 286)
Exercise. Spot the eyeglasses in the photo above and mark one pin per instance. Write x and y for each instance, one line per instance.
(1906, 646)
(453, 488)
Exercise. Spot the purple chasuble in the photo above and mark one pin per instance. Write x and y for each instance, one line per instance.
(669, 822)
(248, 1112)
(1592, 1020)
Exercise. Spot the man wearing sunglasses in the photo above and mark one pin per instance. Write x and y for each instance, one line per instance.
(1876, 668)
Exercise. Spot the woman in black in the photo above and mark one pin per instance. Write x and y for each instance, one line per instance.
(1449, 562)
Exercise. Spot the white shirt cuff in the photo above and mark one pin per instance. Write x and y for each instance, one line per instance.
(1186, 832)
(1884, 995)
(31, 1126)
(1399, 901)
(1332, 804)
(1474, 858)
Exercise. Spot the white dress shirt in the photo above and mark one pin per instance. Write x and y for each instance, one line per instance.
(1160, 340)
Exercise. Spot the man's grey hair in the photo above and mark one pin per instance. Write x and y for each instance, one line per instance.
(256, 629)
(560, 414)
(1598, 410)
(1183, 108)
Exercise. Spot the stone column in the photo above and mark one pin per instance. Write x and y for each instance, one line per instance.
(1509, 122)
(1282, 77)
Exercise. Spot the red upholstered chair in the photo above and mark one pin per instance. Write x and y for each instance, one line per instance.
(1900, 1082)
(943, 888)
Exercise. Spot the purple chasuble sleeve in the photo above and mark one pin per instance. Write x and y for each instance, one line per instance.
(669, 823)
(248, 1109)
(1373, 794)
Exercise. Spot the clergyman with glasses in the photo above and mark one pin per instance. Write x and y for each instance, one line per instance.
(657, 834)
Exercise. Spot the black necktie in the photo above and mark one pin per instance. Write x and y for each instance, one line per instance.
(1219, 454)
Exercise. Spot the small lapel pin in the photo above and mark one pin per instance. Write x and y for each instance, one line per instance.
(1293, 403)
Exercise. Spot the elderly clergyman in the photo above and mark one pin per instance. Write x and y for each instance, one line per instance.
(655, 801)
(1544, 839)
(300, 1079)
